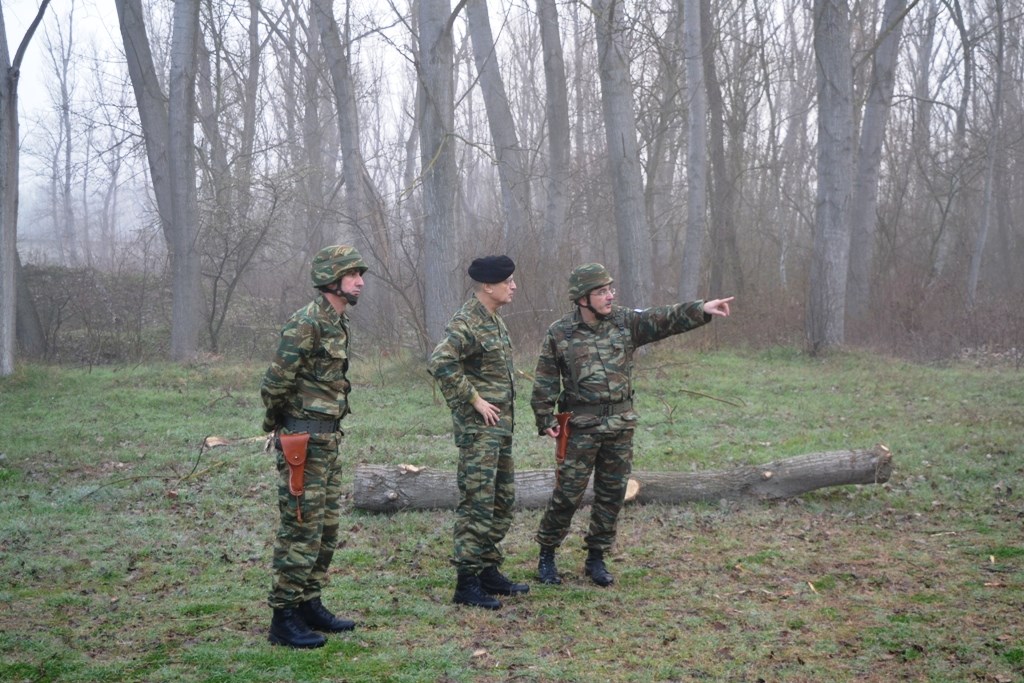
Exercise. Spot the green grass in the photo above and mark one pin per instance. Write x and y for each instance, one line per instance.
(132, 553)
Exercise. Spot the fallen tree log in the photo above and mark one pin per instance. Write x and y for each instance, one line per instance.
(389, 488)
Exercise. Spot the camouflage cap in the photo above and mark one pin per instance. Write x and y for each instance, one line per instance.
(330, 263)
(586, 278)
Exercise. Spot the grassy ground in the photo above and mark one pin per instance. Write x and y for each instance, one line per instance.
(130, 553)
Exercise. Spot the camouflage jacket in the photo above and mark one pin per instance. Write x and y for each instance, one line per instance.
(475, 357)
(307, 376)
(593, 365)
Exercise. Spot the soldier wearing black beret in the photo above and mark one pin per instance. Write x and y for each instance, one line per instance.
(473, 365)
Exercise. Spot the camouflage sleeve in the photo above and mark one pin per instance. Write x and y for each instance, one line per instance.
(298, 339)
(653, 324)
(546, 384)
(445, 364)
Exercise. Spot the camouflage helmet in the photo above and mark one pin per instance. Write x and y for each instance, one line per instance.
(330, 263)
(586, 278)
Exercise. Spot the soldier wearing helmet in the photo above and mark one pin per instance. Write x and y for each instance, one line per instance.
(331, 265)
(473, 366)
(585, 369)
(305, 391)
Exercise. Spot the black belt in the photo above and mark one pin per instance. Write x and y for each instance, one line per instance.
(294, 424)
(600, 409)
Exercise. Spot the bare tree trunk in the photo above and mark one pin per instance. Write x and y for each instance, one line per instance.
(442, 279)
(724, 193)
(8, 202)
(830, 256)
(86, 192)
(167, 125)
(390, 488)
(664, 139)
(317, 177)
(185, 265)
(31, 338)
(953, 201)
(345, 103)
(557, 110)
(151, 103)
(921, 132)
(863, 218)
(623, 153)
(9, 142)
(794, 152)
(515, 190)
(220, 194)
(995, 139)
(697, 151)
(366, 216)
(59, 55)
(233, 236)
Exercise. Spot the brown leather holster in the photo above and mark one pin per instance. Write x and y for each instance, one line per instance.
(293, 446)
(562, 440)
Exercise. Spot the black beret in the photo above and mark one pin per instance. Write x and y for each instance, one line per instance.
(491, 269)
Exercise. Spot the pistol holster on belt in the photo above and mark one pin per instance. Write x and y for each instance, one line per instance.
(293, 446)
(562, 440)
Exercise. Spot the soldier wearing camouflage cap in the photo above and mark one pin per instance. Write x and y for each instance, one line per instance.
(585, 368)
(305, 391)
(473, 366)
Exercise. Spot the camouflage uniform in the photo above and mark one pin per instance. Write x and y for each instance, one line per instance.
(588, 370)
(474, 358)
(307, 381)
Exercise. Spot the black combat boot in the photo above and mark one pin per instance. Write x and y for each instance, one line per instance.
(319, 617)
(546, 569)
(493, 582)
(468, 592)
(288, 628)
(595, 569)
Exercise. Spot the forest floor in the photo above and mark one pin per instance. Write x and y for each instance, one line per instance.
(135, 546)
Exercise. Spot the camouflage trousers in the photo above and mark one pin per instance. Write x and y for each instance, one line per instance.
(609, 455)
(487, 492)
(303, 550)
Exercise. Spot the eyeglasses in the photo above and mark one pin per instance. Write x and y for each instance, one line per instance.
(605, 291)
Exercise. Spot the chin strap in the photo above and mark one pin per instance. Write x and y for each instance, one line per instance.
(599, 316)
(335, 289)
